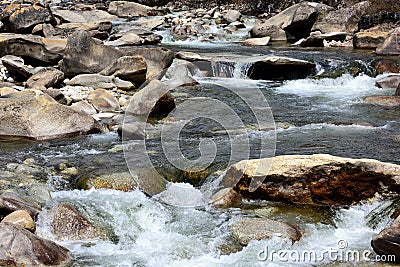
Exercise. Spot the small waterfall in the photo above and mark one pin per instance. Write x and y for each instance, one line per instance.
(241, 70)
(228, 69)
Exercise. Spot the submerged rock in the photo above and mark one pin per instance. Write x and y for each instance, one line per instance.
(384, 101)
(19, 247)
(387, 242)
(312, 179)
(35, 115)
(69, 224)
(122, 181)
(226, 198)
(248, 229)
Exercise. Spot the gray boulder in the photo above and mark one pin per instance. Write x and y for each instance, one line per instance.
(84, 54)
(125, 9)
(390, 81)
(292, 23)
(82, 16)
(25, 18)
(103, 100)
(19, 247)
(344, 19)
(100, 81)
(16, 67)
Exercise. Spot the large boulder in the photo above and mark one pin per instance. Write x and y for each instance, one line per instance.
(32, 46)
(280, 68)
(391, 45)
(84, 54)
(19, 247)
(308, 179)
(292, 23)
(387, 242)
(35, 115)
(25, 18)
(125, 9)
(154, 100)
(82, 16)
(247, 229)
(129, 68)
(344, 19)
(383, 101)
(231, 15)
(370, 39)
(11, 201)
(318, 39)
(46, 77)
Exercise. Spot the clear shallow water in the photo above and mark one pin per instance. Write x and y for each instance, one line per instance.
(323, 115)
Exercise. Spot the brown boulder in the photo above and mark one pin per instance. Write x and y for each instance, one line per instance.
(24, 19)
(21, 218)
(69, 224)
(16, 67)
(386, 65)
(390, 81)
(32, 46)
(103, 100)
(308, 179)
(369, 39)
(35, 115)
(46, 77)
(226, 198)
(19, 247)
(387, 242)
(100, 29)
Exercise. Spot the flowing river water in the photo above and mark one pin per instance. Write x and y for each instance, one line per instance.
(321, 114)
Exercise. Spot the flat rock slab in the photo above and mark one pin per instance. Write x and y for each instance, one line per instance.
(32, 46)
(78, 16)
(384, 101)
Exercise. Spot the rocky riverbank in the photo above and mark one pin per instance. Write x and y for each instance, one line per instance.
(77, 68)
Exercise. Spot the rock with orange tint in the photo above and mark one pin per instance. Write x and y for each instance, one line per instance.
(312, 179)
(25, 18)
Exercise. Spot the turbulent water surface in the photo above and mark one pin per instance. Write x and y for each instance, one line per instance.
(314, 115)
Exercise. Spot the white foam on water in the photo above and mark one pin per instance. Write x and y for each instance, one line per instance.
(320, 126)
(151, 234)
(344, 87)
